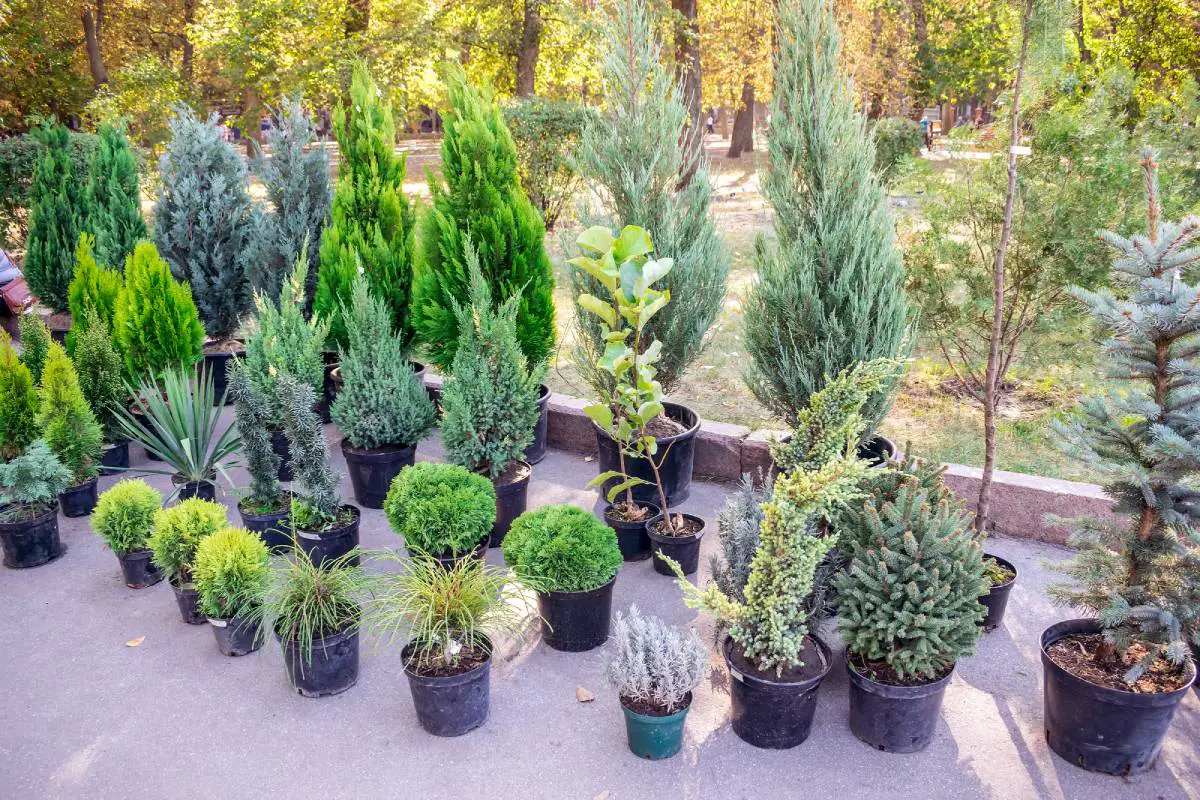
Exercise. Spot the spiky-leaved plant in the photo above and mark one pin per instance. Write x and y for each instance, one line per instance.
(652, 662)
(99, 369)
(738, 524)
(66, 420)
(156, 325)
(93, 288)
(1141, 578)
(35, 344)
(489, 399)
(316, 496)
(256, 417)
(55, 219)
(112, 199)
(18, 402)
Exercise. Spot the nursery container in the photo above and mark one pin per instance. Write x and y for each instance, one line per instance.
(283, 449)
(895, 719)
(676, 455)
(773, 713)
(372, 470)
(450, 705)
(205, 490)
(654, 737)
(31, 542)
(541, 430)
(511, 501)
(188, 600)
(332, 669)
(274, 529)
(138, 569)
(1100, 729)
(79, 501)
(323, 546)
(631, 535)
(684, 549)
(217, 366)
(996, 600)
(576, 621)
(236, 636)
(115, 457)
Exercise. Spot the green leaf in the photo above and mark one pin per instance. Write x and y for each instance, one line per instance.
(598, 307)
(607, 475)
(599, 414)
(650, 409)
(653, 271)
(634, 242)
(650, 355)
(653, 307)
(596, 240)
(628, 483)
(597, 271)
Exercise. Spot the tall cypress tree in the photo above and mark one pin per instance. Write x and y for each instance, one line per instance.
(94, 288)
(480, 196)
(112, 200)
(205, 222)
(55, 219)
(830, 291)
(373, 221)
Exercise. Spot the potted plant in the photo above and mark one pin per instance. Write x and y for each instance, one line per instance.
(443, 511)
(908, 610)
(99, 369)
(451, 616)
(655, 668)
(35, 344)
(18, 402)
(382, 409)
(29, 489)
(232, 573)
(1114, 679)
(71, 431)
(776, 661)
(322, 525)
(572, 559)
(315, 611)
(176, 533)
(489, 399)
(266, 507)
(645, 448)
(122, 519)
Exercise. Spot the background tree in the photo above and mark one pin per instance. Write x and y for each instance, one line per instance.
(55, 220)
(113, 199)
(547, 134)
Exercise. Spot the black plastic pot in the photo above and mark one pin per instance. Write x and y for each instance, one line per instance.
(217, 367)
(576, 621)
(450, 705)
(1097, 728)
(138, 569)
(331, 669)
(676, 454)
(188, 600)
(876, 451)
(773, 714)
(631, 536)
(32, 542)
(511, 501)
(274, 529)
(329, 389)
(205, 490)
(373, 470)
(684, 549)
(236, 636)
(449, 559)
(283, 449)
(115, 458)
(78, 501)
(541, 431)
(323, 546)
(895, 719)
(996, 600)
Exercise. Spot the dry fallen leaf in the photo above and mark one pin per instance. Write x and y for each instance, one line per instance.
(589, 458)
(603, 795)
(583, 695)
(135, 642)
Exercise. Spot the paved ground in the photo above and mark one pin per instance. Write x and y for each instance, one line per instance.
(84, 716)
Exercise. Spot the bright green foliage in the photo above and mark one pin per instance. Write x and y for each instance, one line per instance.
(232, 572)
(562, 548)
(440, 508)
(66, 419)
(881, 485)
(382, 401)
(32, 481)
(480, 198)
(177, 532)
(205, 223)
(316, 494)
(93, 287)
(124, 514)
(830, 291)
(632, 160)
(547, 133)
(256, 418)
(156, 325)
(770, 625)
(897, 139)
(309, 601)
(911, 596)
(20, 157)
(372, 224)
(55, 220)
(18, 402)
(489, 399)
(35, 344)
(1140, 577)
(112, 199)
(99, 369)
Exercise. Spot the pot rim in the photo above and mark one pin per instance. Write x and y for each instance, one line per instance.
(140, 555)
(664, 539)
(325, 641)
(515, 486)
(52, 511)
(653, 719)
(445, 680)
(278, 515)
(1123, 697)
(338, 530)
(177, 479)
(81, 487)
(551, 593)
(367, 452)
(1004, 562)
(690, 430)
(727, 643)
(895, 692)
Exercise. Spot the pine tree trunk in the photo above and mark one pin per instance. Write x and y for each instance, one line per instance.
(91, 38)
(531, 41)
(742, 139)
(687, 74)
(920, 25)
(189, 48)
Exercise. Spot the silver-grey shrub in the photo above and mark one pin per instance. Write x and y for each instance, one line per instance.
(653, 662)
(737, 531)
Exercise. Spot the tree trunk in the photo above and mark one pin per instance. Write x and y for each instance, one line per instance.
(251, 116)
(531, 42)
(358, 17)
(924, 60)
(723, 121)
(687, 74)
(1085, 55)
(91, 39)
(742, 139)
(189, 49)
(992, 379)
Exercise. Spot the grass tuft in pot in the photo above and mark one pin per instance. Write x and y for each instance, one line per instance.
(255, 416)
(31, 482)
(67, 422)
(123, 518)
(232, 572)
(441, 510)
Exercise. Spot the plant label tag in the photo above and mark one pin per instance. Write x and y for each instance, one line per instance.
(217, 623)
(737, 676)
(316, 537)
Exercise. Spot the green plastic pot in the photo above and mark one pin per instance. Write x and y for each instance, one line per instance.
(655, 737)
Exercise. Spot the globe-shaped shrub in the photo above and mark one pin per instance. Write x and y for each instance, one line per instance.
(178, 531)
(232, 571)
(562, 548)
(440, 508)
(124, 515)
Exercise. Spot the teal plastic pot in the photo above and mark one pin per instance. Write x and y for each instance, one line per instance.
(655, 737)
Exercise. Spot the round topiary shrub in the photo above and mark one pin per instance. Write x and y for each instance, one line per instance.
(440, 508)
(232, 571)
(562, 549)
(124, 514)
(178, 531)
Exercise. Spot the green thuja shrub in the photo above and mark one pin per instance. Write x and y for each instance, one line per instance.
(316, 493)
(562, 548)
(205, 223)
(31, 483)
(382, 401)
(155, 324)
(66, 419)
(35, 344)
(489, 399)
(20, 159)
(18, 402)
(232, 572)
(440, 508)
(177, 532)
(99, 369)
(55, 219)
(372, 221)
(256, 418)
(112, 198)
(124, 514)
(830, 289)
(94, 288)
(480, 198)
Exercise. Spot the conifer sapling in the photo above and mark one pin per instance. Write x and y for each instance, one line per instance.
(18, 402)
(256, 418)
(99, 369)
(66, 420)
(93, 288)
(156, 325)
(55, 219)
(112, 198)
(316, 498)
(35, 344)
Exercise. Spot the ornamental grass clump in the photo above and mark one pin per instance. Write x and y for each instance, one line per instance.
(67, 422)
(562, 548)
(155, 322)
(18, 402)
(124, 515)
(31, 483)
(232, 573)
(316, 492)
(440, 509)
(255, 416)
(654, 666)
(177, 532)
